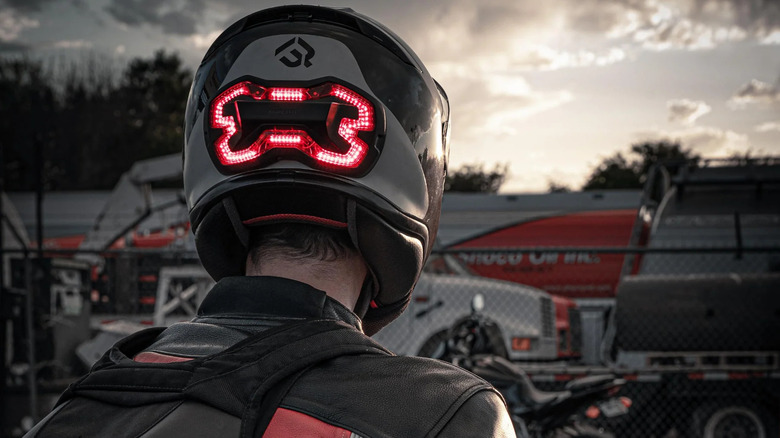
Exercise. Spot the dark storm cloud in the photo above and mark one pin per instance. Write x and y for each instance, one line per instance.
(181, 19)
(134, 12)
(677, 23)
(178, 23)
(489, 17)
(12, 46)
(608, 16)
(748, 14)
(25, 5)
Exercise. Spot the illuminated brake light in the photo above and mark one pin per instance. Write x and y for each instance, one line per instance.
(282, 139)
(348, 130)
(626, 402)
(592, 412)
(292, 137)
(228, 124)
(288, 94)
(521, 344)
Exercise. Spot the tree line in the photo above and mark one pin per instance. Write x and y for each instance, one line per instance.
(83, 124)
(617, 171)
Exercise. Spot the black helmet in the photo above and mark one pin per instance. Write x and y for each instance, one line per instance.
(318, 115)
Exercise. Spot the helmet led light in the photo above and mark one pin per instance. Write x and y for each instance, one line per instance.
(292, 134)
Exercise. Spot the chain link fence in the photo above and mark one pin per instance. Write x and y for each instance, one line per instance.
(694, 332)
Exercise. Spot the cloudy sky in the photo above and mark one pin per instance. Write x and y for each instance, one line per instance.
(551, 87)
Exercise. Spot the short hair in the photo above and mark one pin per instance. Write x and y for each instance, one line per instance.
(295, 241)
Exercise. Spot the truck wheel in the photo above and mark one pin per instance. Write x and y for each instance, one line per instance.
(432, 343)
(730, 421)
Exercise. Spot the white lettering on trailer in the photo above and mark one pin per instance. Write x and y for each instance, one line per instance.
(496, 258)
(548, 258)
(535, 258)
(583, 258)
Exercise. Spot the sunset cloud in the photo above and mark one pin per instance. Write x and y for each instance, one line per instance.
(685, 34)
(680, 24)
(467, 28)
(768, 127)
(707, 141)
(686, 111)
(73, 44)
(203, 41)
(545, 58)
(490, 110)
(755, 92)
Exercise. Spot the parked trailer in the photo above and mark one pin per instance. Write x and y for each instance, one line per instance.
(695, 333)
(708, 324)
(707, 347)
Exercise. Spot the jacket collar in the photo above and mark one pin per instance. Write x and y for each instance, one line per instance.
(275, 297)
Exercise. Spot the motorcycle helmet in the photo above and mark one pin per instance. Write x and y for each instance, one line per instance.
(324, 116)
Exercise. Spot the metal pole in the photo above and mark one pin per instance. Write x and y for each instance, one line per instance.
(3, 334)
(37, 288)
(28, 314)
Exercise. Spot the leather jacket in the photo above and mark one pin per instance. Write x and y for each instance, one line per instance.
(367, 393)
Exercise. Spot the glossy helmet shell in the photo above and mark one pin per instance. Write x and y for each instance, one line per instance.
(389, 204)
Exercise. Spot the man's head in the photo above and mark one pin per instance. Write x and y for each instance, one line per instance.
(305, 114)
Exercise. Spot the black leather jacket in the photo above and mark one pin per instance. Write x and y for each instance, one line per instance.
(349, 396)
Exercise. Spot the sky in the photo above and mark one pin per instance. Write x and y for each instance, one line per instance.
(549, 87)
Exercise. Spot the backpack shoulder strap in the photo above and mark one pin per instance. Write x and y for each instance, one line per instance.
(247, 381)
(251, 378)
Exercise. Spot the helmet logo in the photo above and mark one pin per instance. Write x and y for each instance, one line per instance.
(292, 55)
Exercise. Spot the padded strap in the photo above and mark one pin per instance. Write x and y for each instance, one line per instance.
(272, 400)
(247, 380)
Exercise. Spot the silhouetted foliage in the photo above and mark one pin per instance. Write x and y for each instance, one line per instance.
(155, 92)
(474, 178)
(27, 105)
(556, 187)
(619, 172)
(91, 123)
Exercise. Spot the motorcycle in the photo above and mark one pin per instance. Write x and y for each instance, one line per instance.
(476, 344)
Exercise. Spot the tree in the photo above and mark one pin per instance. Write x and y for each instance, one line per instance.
(91, 122)
(155, 93)
(557, 187)
(84, 150)
(614, 172)
(474, 178)
(618, 172)
(27, 108)
(651, 153)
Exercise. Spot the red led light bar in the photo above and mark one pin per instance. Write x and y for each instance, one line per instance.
(288, 94)
(293, 137)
